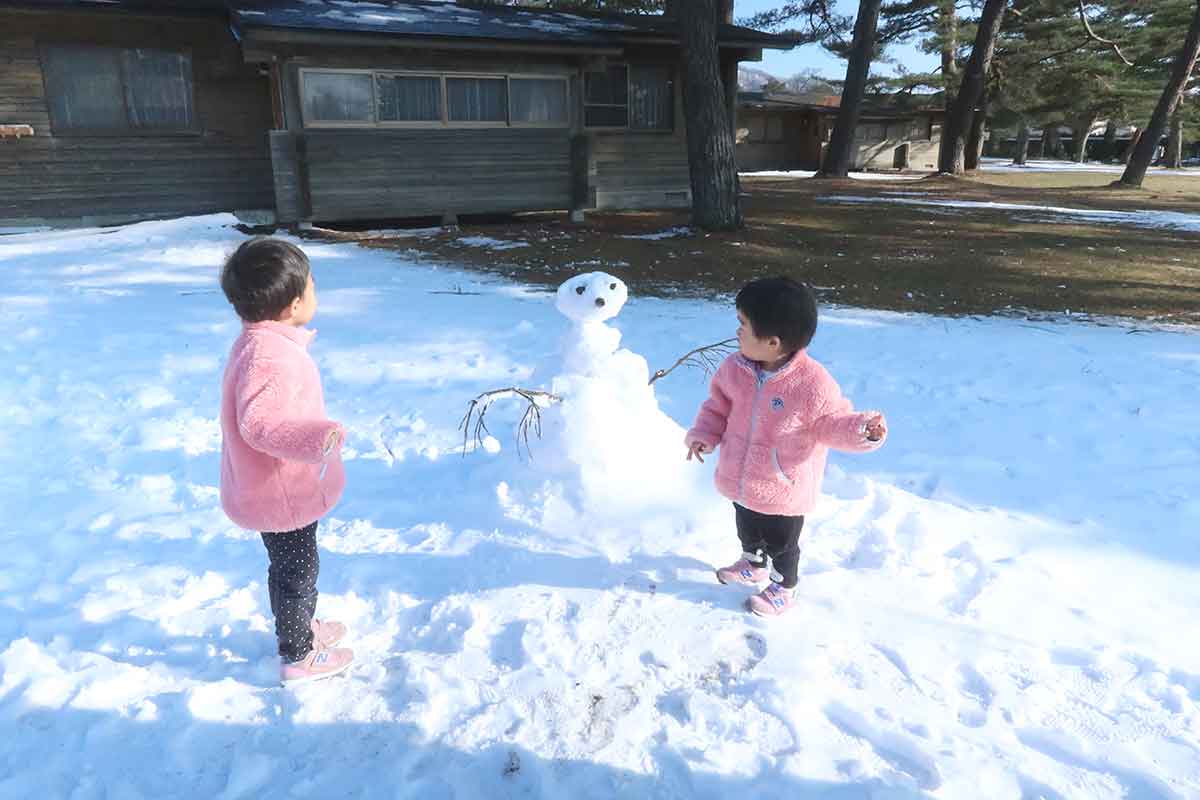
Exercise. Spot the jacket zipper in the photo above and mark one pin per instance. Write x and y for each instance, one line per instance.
(760, 378)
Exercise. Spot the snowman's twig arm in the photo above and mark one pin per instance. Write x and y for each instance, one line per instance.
(707, 358)
(474, 421)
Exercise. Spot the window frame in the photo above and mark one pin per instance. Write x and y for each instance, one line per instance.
(449, 123)
(374, 106)
(445, 123)
(58, 129)
(566, 81)
(672, 77)
(672, 80)
(399, 123)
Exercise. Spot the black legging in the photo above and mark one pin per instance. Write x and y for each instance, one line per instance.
(772, 535)
(292, 583)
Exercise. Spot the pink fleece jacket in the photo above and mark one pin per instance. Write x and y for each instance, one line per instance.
(775, 430)
(275, 475)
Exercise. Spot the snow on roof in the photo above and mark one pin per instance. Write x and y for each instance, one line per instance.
(451, 20)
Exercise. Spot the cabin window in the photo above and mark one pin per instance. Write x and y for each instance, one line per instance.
(338, 97)
(107, 90)
(606, 97)
(477, 99)
(538, 101)
(405, 98)
(370, 98)
(651, 99)
(641, 97)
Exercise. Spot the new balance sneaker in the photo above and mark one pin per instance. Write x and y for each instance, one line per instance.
(744, 572)
(321, 662)
(327, 632)
(773, 601)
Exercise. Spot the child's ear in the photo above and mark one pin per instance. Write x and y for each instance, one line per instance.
(775, 341)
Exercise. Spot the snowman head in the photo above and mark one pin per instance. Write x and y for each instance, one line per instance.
(591, 297)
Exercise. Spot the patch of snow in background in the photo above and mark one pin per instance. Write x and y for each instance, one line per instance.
(1167, 220)
(489, 243)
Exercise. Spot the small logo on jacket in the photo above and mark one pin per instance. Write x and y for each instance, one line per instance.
(777, 404)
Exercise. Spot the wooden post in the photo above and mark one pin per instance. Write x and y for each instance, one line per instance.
(581, 151)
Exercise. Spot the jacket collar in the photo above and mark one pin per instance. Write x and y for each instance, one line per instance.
(793, 364)
(298, 334)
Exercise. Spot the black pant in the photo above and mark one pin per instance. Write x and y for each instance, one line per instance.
(292, 582)
(771, 535)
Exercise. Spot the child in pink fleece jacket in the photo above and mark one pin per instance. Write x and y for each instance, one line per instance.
(775, 412)
(281, 468)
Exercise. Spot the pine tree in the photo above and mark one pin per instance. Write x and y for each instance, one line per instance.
(1182, 68)
(951, 158)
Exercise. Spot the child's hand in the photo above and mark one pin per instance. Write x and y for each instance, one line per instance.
(696, 449)
(876, 428)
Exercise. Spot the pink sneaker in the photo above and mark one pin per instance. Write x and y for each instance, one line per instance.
(773, 601)
(321, 662)
(327, 632)
(743, 572)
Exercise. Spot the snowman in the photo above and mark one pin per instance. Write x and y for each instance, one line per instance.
(607, 438)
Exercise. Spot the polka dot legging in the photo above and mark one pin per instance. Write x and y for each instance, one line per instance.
(292, 582)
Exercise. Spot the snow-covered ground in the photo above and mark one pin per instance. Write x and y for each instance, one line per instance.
(1058, 165)
(860, 176)
(1002, 603)
(1164, 220)
(989, 165)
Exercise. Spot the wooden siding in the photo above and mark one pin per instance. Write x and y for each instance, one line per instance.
(639, 171)
(223, 166)
(290, 180)
(636, 170)
(800, 148)
(369, 174)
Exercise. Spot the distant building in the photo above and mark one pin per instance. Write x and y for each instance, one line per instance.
(792, 132)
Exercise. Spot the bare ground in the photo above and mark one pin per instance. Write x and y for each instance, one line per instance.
(878, 255)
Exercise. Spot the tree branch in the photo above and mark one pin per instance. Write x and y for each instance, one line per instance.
(1087, 26)
(535, 400)
(707, 358)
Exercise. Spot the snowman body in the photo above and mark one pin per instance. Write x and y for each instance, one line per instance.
(608, 432)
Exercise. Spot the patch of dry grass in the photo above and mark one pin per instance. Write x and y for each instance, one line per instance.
(911, 258)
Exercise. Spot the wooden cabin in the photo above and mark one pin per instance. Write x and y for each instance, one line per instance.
(781, 132)
(323, 110)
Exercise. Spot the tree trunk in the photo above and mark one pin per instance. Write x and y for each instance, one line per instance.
(1022, 154)
(1181, 70)
(948, 25)
(1083, 132)
(1174, 159)
(1133, 140)
(1050, 141)
(1109, 150)
(711, 161)
(837, 157)
(974, 151)
(958, 122)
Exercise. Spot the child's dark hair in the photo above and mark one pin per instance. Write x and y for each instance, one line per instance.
(263, 277)
(780, 307)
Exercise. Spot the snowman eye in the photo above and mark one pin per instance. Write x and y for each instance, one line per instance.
(580, 289)
(612, 286)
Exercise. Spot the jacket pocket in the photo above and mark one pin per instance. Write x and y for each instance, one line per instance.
(780, 472)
